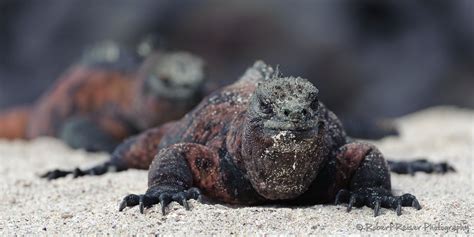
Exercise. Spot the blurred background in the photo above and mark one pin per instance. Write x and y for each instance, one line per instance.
(368, 57)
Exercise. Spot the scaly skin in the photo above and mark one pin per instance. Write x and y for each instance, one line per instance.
(263, 139)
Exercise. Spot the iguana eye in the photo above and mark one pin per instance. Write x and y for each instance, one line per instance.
(265, 108)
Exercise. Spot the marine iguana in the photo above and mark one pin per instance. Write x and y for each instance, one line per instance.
(109, 95)
(264, 139)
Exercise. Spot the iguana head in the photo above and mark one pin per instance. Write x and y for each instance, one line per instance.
(176, 75)
(282, 135)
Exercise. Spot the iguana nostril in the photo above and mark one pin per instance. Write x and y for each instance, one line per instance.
(295, 114)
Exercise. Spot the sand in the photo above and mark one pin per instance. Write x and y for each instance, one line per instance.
(89, 205)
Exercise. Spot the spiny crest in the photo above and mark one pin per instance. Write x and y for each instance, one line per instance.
(271, 83)
(275, 75)
(289, 89)
(274, 87)
(259, 71)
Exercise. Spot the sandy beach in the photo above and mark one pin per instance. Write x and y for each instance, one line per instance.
(89, 205)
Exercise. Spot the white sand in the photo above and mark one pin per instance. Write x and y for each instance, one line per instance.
(89, 205)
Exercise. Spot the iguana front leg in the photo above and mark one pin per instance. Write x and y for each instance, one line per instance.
(134, 153)
(369, 184)
(175, 175)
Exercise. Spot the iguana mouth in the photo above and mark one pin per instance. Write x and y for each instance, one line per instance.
(298, 133)
(299, 129)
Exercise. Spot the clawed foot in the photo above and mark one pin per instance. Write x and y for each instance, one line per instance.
(376, 198)
(97, 170)
(164, 196)
(55, 174)
(420, 165)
